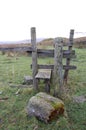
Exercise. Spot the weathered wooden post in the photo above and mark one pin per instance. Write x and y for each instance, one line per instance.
(68, 59)
(58, 76)
(34, 57)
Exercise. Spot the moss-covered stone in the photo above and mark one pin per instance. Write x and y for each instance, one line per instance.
(45, 107)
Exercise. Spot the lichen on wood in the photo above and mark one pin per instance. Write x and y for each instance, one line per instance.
(45, 107)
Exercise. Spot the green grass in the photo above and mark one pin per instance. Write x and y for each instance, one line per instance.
(12, 70)
(13, 114)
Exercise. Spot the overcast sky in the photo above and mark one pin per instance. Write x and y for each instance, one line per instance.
(51, 18)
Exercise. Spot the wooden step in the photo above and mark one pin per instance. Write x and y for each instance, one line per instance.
(43, 74)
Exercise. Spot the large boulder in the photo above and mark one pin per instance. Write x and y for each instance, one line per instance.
(45, 107)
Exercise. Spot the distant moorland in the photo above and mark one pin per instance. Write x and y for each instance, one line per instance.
(78, 42)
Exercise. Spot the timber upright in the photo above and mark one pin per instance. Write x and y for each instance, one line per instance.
(70, 44)
(58, 67)
(34, 57)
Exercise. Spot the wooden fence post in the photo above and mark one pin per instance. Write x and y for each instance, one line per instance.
(34, 57)
(68, 59)
(58, 76)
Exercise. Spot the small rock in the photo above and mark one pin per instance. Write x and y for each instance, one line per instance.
(28, 80)
(79, 99)
(1, 92)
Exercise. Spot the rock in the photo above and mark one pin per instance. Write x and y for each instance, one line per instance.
(80, 99)
(28, 80)
(1, 92)
(45, 107)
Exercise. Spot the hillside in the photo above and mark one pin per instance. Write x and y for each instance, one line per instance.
(78, 42)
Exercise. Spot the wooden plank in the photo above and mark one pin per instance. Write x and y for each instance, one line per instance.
(40, 52)
(50, 53)
(45, 52)
(45, 66)
(34, 57)
(70, 67)
(43, 74)
(29, 49)
(69, 54)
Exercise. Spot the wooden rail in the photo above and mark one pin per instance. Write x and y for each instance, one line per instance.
(16, 49)
(69, 67)
(40, 52)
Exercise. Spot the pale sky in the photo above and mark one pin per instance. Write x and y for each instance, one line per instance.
(52, 18)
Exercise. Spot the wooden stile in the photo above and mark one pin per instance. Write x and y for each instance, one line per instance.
(58, 53)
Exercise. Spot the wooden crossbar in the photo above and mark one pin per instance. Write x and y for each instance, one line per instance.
(69, 67)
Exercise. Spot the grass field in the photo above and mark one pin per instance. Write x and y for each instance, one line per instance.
(13, 115)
